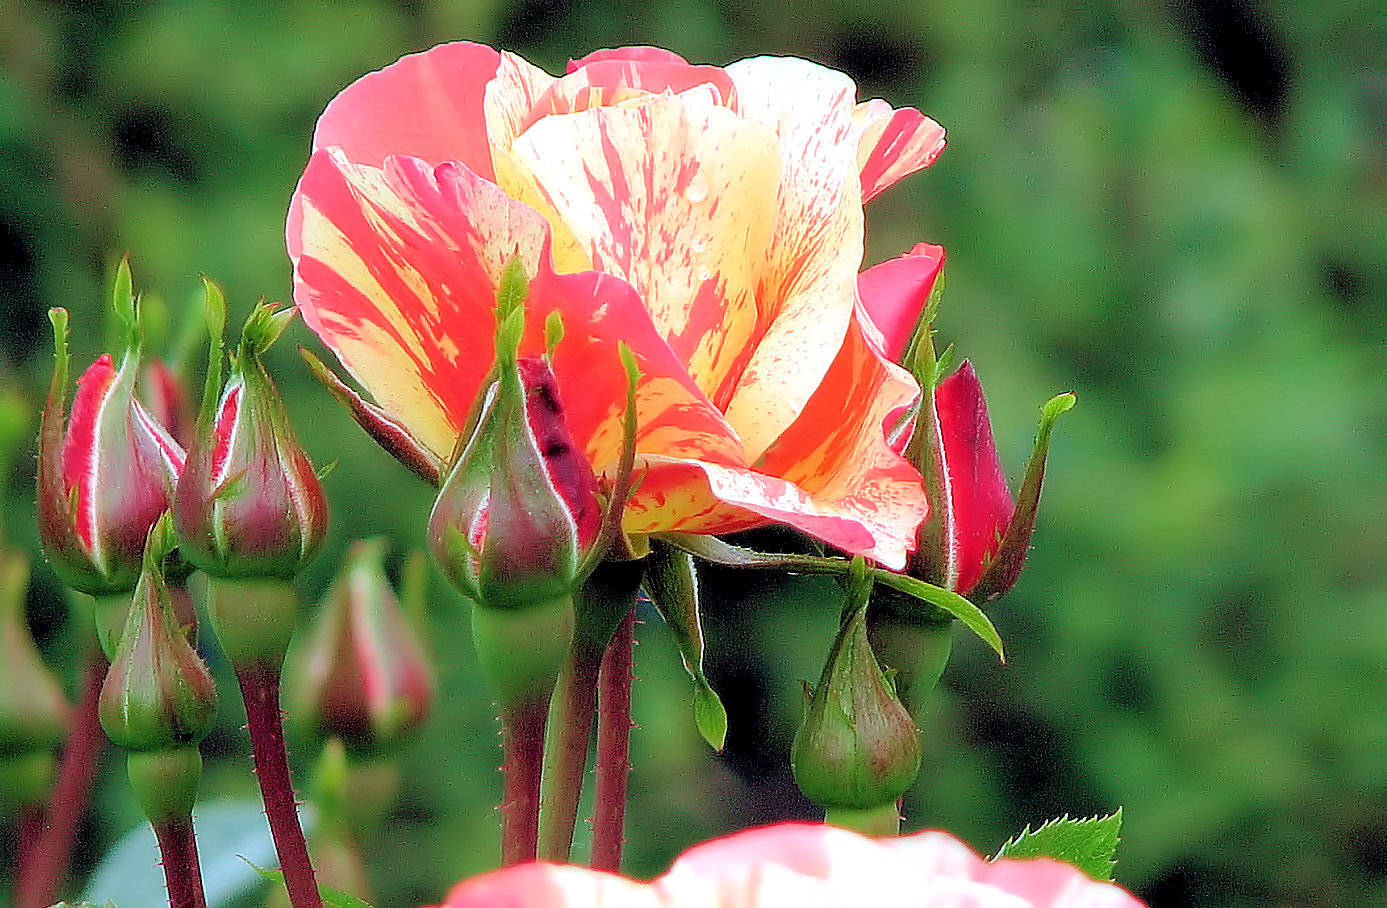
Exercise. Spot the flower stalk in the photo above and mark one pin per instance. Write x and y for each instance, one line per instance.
(613, 767)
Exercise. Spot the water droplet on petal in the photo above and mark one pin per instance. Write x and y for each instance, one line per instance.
(697, 190)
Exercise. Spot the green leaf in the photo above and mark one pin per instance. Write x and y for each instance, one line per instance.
(673, 587)
(1089, 845)
(332, 898)
(945, 602)
(710, 716)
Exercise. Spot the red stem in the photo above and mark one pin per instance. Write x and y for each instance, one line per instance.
(522, 762)
(48, 857)
(182, 871)
(260, 689)
(613, 747)
(576, 705)
(28, 827)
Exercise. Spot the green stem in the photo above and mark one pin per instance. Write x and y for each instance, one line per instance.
(571, 720)
(874, 821)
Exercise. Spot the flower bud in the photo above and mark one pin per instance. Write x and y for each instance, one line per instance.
(974, 529)
(34, 713)
(362, 674)
(107, 472)
(164, 397)
(248, 503)
(158, 693)
(857, 747)
(520, 503)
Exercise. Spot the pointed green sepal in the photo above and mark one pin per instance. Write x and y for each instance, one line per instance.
(1005, 567)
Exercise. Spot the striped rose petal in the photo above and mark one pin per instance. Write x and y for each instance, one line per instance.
(395, 269)
(816, 243)
(894, 144)
(669, 196)
(846, 465)
(443, 120)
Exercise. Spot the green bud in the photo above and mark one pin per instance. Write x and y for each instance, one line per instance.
(857, 747)
(158, 693)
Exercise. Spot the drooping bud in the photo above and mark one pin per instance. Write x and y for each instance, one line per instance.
(107, 472)
(34, 714)
(858, 748)
(362, 674)
(158, 693)
(248, 504)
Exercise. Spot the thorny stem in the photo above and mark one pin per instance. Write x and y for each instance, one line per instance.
(182, 872)
(522, 759)
(613, 747)
(47, 858)
(260, 689)
(574, 707)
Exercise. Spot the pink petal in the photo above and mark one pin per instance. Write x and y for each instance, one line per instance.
(838, 452)
(981, 502)
(612, 81)
(669, 196)
(426, 105)
(396, 269)
(80, 445)
(896, 291)
(809, 287)
(638, 54)
(894, 144)
(549, 886)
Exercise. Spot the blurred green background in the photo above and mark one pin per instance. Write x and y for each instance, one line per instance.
(1175, 210)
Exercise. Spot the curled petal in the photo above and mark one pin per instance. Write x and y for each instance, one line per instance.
(639, 54)
(426, 105)
(894, 144)
(896, 291)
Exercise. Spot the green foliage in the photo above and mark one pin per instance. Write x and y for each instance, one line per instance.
(1090, 844)
(331, 897)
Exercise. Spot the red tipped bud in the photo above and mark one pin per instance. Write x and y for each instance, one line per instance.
(249, 503)
(362, 674)
(520, 504)
(106, 473)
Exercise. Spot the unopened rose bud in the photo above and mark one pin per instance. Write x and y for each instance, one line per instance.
(858, 748)
(362, 674)
(248, 504)
(158, 693)
(107, 471)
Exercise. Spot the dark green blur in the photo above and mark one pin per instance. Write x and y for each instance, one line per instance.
(1174, 210)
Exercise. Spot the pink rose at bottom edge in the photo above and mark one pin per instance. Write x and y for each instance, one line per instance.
(804, 865)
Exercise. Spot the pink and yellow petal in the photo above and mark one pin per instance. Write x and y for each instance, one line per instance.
(838, 451)
(895, 292)
(428, 105)
(670, 196)
(894, 144)
(816, 244)
(395, 270)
